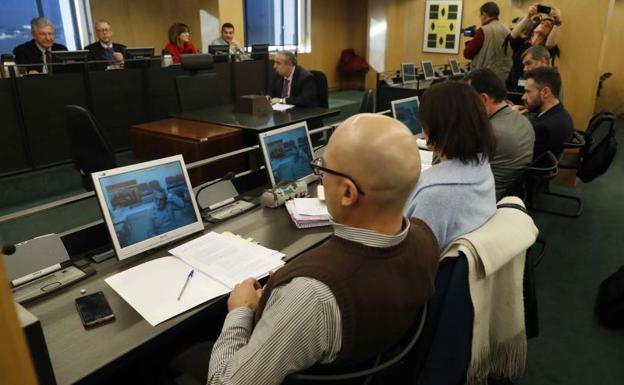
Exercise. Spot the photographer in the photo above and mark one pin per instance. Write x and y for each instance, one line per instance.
(540, 27)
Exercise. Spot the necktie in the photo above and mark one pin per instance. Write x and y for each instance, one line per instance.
(285, 88)
(110, 57)
(48, 60)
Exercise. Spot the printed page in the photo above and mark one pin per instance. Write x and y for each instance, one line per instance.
(311, 206)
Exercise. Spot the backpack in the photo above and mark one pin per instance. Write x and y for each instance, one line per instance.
(598, 153)
(610, 301)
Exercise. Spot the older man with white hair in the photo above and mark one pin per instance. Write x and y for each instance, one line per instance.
(38, 50)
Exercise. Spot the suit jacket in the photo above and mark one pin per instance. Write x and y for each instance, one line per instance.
(552, 129)
(97, 53)
(302, 90)
(29, 53)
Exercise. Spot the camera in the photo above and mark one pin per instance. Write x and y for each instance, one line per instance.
(543, 9)
(469, 31)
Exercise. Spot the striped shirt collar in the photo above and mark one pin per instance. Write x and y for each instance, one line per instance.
(369, 237)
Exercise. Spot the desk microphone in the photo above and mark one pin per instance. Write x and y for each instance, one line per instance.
(228, 176)
(8, 249)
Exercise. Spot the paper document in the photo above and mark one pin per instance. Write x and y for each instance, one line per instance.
(426, 158)
(310, 206)
(152, 288)
(282, 107)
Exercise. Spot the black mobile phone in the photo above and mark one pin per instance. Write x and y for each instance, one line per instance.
(543, 9)
(94, 309)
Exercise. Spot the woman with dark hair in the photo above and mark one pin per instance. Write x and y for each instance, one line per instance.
(456, 195)
(179, 41)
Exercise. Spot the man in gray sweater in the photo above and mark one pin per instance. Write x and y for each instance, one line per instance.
(514, 134)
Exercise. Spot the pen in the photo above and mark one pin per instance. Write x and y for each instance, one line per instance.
(188, 278)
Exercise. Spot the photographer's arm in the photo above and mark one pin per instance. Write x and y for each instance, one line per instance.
(553, 36)
(517, 31)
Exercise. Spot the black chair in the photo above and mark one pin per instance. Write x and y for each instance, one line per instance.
(198, 89)
(89, 147)
(368, 101)
(322, 90)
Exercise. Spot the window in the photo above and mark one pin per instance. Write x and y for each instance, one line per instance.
(283, 24)
(68, 16)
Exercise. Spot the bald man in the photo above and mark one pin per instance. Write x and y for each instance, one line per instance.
(357, 294)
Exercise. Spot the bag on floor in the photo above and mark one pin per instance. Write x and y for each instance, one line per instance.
(610, 301)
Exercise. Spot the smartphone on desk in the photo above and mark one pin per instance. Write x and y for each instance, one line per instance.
(94, 309)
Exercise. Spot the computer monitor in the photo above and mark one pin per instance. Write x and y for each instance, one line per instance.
(140, 53)
(260, 51)
(455, 69)
(70, 56)
(408, 72)
(287, 154)
(147, 205)
(220, 53)
(427, 68)
(406, 111)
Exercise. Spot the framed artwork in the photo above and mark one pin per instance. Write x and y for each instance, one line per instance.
(442, 26)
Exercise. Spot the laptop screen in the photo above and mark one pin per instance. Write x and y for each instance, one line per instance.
(406, 111)
(427, 68)
(147, 204)
(408, 72)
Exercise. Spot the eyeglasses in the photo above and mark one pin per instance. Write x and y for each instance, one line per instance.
(319, 169)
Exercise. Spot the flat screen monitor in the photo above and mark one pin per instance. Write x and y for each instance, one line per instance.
(408, 72)
(70, 56)
(147, 205)
(287, 153)
(260, 51)
(406, 111)
(220, 53)
(427, 68)
(455, 70)
(140, 53)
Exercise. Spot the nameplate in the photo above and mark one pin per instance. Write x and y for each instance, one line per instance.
(253, 105)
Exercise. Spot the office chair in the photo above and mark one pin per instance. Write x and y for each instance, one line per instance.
(198, 89)
(368, 101)
(322, 91)
(89, 147)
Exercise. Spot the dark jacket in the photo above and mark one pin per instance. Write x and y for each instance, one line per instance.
(302, 90)
(552, 129)
(29, 53)
(97, 52)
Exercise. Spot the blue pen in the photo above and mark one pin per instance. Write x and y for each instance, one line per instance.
(188, 278)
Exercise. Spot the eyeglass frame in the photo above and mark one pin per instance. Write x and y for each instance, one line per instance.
(316, 167)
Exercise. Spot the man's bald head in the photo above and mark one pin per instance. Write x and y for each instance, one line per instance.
(380, 154)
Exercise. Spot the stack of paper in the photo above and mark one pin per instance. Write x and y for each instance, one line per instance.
(308, 212)
(219, 262)
(426, 158)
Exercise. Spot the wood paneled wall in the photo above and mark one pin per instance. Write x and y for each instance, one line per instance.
(612, 94)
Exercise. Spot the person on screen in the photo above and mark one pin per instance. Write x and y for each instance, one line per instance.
(38, 50)
(292, 84)
(104, 49)
(227, 38)
(179, 42)
(162, 217)
(296, 168)
(314, 310)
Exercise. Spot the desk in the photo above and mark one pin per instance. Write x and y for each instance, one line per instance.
(76, 353)
(224, 115)
(194, 140)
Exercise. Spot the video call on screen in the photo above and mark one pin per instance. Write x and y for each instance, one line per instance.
(289, 153)
(149, 202)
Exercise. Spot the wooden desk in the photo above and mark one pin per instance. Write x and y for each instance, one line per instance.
(195, 141)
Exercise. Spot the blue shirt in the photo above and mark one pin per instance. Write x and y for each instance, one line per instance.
(453, 198)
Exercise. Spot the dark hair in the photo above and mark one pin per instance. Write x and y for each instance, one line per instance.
(227, 25)
(538, 52)
(485, 81)
(490, 8)
(546, 77)
(175, 31)
(454, 119)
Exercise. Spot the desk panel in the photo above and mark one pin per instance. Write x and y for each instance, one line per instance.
(13, 152)
(43, 99)
(224, 81)
(77, 353)
(118, 103)
(162, 97)
(250, 78)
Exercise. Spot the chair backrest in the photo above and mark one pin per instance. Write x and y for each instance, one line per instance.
(600, 148)
(368, 101)
(544, 167)
(197, 91)
(322, 91)
(196, 62)
(89, 147)
(382, 362)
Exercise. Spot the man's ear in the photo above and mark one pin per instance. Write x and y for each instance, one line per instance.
(484, 98)
(350, 195)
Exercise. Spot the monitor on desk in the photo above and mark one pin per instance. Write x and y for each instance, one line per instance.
(427, 68)
(69, 61)
(408, 73)
(455, 69)
(220, 53)
(260, 51)
(140, 53)
(147, 205)
(287, 153)
(406, 111)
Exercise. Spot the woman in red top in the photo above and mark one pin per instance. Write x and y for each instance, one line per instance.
(179, 41)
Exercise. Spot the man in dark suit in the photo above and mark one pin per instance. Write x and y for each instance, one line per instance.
(104, 49)
(38, 50)
(292, 83)
(553, 125)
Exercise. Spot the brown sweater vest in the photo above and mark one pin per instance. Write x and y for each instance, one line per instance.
(379, 290)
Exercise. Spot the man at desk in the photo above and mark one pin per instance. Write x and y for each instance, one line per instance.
(104, 49)
(292, 83)
(162, 217)
(39, 49)
(227, 38)
(310, 310)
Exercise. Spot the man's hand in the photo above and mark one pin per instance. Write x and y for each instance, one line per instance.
(275, 100)
(245, 294)
(533, 10)
(520, 109)
(555, 13)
